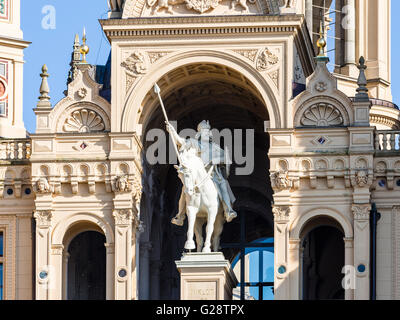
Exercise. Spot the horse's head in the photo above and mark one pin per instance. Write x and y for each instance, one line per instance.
(185, 175)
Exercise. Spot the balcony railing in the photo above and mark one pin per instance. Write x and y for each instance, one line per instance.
(387, 140)
(15, 149)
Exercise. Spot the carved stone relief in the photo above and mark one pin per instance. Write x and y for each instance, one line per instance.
(84, 121)
(322, 115)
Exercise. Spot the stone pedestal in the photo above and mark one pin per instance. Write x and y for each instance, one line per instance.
(206, 276)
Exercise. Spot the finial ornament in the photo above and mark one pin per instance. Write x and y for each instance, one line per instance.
(44, 87)
(362, 90)
(84, 47)
(321, 43)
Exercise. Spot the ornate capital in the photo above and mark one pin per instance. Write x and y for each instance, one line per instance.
(43, 218)
(123, 216)
(361, 212)
(281, 213)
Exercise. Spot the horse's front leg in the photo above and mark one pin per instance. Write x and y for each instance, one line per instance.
(198, 231)
(191, 213)
(212, 214)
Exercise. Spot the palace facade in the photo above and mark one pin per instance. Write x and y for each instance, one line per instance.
(83, 215)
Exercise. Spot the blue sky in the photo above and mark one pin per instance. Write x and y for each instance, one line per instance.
(54, 46)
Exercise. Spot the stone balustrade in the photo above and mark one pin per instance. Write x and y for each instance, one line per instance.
(15, 149)
(387, 140)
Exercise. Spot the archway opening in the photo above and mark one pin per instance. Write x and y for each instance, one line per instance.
(322, 260)
(230, 102)
(86, 268)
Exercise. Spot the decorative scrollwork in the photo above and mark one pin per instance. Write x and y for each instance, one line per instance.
(266, 59)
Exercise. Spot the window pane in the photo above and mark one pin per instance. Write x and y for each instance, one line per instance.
(2, 69)
(1, 281)
(1, 244)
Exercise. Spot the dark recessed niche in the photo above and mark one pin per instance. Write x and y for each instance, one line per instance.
(10, 191)
(28, 191)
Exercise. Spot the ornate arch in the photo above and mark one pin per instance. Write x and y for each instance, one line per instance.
(64, 225)
(133, 103)
(298, 224)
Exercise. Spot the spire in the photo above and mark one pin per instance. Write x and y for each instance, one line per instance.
(44, 98)
(362, 90)
(75, 59)
(84, 49)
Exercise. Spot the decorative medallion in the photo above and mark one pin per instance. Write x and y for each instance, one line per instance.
(322, 115)
(82, 92)
(84, 121)
(321, 86)
(266, 59)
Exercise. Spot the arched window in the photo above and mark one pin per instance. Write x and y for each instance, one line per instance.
(257, 275)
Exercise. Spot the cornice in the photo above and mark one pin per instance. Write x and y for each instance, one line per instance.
(200, 25)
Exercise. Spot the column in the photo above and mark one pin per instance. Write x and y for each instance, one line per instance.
(110, 271)
(295, 267)
(155, 280)
(123, 254)
(56, 259)
(281, 246)
(350, 36)
(309, 17)
(43, 269)
(144, 281)
(349, 263)
(361, 250)
(65, 276)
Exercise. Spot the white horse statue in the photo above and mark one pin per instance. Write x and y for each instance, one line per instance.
(202, 203)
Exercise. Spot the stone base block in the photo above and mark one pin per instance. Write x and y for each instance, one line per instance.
(206, 276)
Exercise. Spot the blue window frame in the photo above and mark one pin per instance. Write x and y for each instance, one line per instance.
(1, 244)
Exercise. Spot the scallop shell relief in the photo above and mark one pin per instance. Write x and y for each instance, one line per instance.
(84, 121)
(322, 115)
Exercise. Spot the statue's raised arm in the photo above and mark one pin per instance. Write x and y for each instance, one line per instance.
(176, 137)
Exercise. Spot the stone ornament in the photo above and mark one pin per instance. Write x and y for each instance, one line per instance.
(322, 115)
(361, 212)
(82, 92)
(281, 213)
(43, 218)
(321, 86)
(123, 216)
(84, 121)
(122, 184)
(266, 59)
(136, 63)
(280, 180)
(361, 178)
(43, 186)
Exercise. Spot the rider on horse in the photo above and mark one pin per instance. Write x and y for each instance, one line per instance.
(211, 155)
